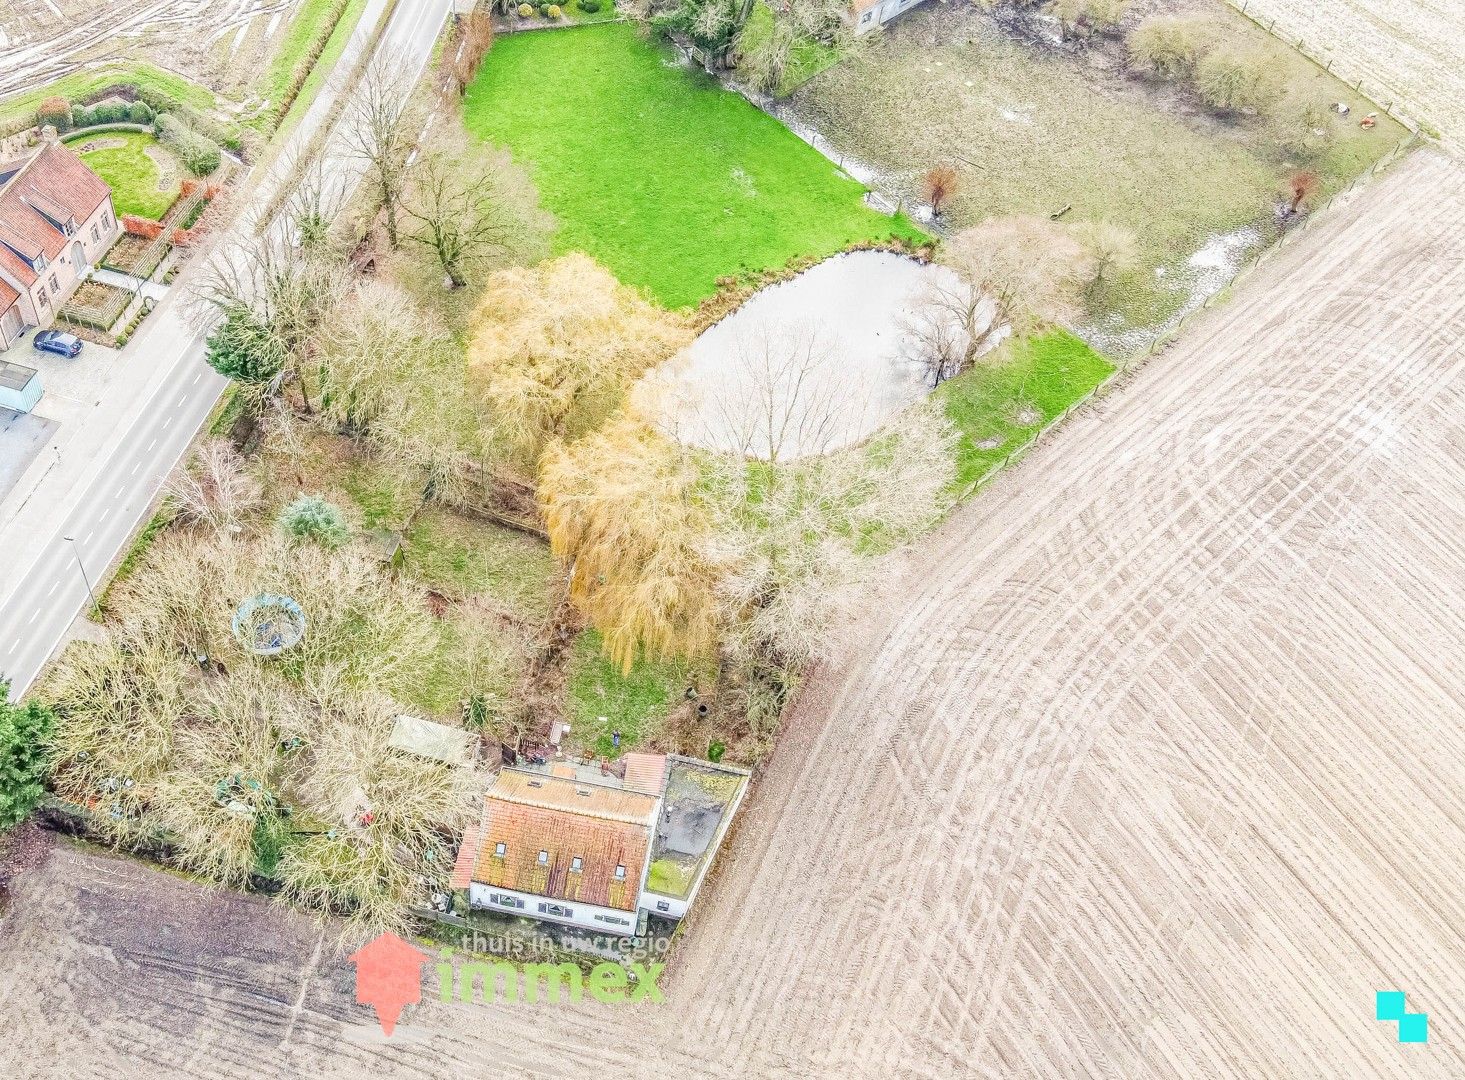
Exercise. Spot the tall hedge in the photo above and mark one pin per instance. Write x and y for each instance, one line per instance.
(201, 155)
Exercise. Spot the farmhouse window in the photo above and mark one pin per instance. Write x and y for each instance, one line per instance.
(576, 864)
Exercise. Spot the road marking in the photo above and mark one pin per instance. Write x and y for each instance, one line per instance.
(52, 589)
(166, 421)
(135, 468)
(181, 401)
(150, 446)
(104, 515)
(196, 378)
(36, 615)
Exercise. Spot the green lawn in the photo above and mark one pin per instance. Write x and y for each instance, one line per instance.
(652, 169)
(133, 176)
(1001, 403)
(153, 85)
(324, 65)
(635, 705)
(461, 556)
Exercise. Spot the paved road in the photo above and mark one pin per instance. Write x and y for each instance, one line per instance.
(112, 471)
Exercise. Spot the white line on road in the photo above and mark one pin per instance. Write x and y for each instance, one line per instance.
(34, 616)
(52, 589)
(152, 444)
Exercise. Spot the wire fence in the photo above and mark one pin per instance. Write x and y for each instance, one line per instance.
(1330, 65)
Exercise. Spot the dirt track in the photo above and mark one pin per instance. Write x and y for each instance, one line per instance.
(1153, 770)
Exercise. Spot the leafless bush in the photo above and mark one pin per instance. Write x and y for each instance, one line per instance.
(1011, 275)
(215, 489)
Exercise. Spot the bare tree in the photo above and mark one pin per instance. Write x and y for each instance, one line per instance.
(461, 206)
(782, 396)
(792, 544)
(274, 295)
(938, 185)
(1008, 275)
(475, 38)
(1302, 185)
(379, 129)
(215, 489)
(1113, 248)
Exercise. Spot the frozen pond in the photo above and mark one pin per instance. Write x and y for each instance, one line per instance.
(803, 368)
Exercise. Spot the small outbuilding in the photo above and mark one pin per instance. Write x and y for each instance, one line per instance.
(20, 387)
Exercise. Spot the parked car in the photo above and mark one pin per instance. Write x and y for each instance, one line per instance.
(54, 341)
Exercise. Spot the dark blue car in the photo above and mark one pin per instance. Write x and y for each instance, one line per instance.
(54, 341)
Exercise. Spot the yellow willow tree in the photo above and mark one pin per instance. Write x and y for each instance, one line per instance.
(621, 510)
(555, 347)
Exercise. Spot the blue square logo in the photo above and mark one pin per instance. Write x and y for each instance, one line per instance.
(1413, 1028)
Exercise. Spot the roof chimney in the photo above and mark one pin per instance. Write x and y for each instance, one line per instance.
(49, 135)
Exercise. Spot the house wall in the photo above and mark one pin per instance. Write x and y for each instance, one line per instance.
(609, 921)
(60, 279)
(11, 324)
(869, 16)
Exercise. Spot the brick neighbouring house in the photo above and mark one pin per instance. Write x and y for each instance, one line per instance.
(56, 221)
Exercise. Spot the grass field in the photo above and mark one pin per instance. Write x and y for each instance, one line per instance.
(998, 405)
(666, 179)
(153, 83)
(138, 184)
(324, 65)
(1035, 131)
(636, 705)
(312, 20)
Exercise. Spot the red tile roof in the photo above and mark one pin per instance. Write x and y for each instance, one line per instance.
(603, 827)
(54, 180)
(645, 772)
(8, 296)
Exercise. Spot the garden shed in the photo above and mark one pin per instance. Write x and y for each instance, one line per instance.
(20, 387)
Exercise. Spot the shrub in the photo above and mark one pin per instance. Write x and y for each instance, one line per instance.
(200, 155)
(81, 117)
(25, 734)
(110, 112)
(1235, 78)
(589, 7)
(56, 112)
(1303, 122)
(311, 517)
(525, 11)
(544, 10)
(140, 112)
(553, 11)
(1170, 47)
